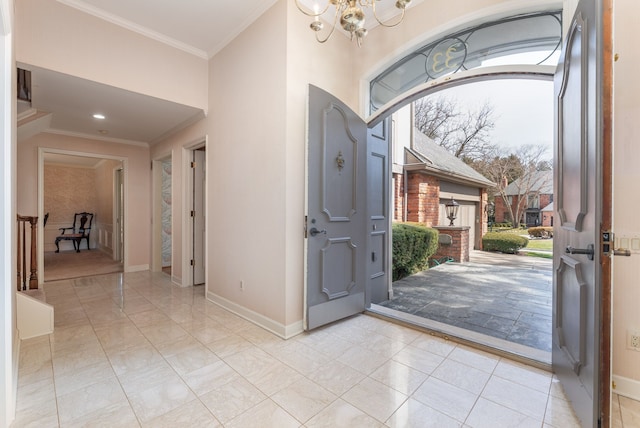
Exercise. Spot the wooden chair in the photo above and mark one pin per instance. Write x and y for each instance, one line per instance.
(80, 230)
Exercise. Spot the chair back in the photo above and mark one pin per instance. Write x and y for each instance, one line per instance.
(83, 218)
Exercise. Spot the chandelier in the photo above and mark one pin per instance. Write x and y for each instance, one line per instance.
(350, 14)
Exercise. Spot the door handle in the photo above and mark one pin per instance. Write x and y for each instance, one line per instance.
(314, 231)
(589, 251)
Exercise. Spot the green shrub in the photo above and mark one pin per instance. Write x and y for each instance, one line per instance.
(503, 242)
(413, 244)
(541, 232)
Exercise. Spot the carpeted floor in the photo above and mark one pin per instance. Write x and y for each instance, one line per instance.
(69, 264)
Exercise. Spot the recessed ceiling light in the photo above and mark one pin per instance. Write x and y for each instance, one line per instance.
(103, 131)
(99, 116)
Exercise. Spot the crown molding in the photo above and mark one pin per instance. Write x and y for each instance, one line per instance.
(97, 137)
(132, 26)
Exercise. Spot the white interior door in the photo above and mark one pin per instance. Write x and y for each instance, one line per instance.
(199, 203)
(336, 211)
(578, 327)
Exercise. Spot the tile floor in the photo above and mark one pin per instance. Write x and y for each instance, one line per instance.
(134, 350)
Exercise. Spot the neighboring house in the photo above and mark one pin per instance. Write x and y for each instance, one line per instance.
(433, 176)
(538, 189)
(547, 215)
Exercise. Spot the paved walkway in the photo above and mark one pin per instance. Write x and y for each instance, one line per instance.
(500, 295)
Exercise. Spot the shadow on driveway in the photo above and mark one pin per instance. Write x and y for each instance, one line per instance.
(499, 295)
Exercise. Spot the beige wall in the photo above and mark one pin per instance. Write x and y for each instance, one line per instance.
(67, 190)
(626, 292)
(64, 39)
(137, 185)
(246, 162)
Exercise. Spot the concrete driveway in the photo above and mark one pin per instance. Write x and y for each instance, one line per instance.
(500, 295)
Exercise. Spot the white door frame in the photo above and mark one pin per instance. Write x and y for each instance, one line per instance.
(187, 206)
(41, 153)
(118, 208)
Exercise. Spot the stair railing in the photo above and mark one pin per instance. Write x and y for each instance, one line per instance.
(22, 252)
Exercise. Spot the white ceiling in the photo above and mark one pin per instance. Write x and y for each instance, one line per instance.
(201, 27)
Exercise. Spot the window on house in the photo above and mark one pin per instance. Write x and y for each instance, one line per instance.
(534, 201)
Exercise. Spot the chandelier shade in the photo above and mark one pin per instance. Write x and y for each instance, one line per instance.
(350, 14)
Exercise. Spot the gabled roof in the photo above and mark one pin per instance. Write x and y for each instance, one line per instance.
(437, 160)
(541, 181)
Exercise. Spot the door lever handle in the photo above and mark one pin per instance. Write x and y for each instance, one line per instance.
(314, 231)
(589, 251)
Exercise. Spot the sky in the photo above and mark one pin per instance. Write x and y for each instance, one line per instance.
(523, 109)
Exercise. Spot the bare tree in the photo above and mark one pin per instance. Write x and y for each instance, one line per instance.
(519, 177)
(464, 133)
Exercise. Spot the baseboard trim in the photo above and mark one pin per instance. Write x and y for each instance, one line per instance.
(11, 410)
(281, 330)
(177, 280)
(136, 268)
(627, 387)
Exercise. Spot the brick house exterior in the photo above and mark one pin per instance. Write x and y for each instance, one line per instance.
(429, 177)
(538, 198)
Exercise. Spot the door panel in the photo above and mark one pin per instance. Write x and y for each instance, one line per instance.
(579, 201)
(378, 198)
(336, 210)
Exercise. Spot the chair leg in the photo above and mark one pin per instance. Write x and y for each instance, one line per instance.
(57, 246)
(76, 245)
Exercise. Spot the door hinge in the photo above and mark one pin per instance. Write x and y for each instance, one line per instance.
(193, 164)
(305, 226)
(193, 213)
(193, 262)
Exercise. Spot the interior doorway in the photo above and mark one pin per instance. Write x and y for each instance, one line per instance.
(70, 182)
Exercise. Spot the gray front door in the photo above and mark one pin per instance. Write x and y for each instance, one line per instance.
(336, 210)
(378, 200)
(580, 205)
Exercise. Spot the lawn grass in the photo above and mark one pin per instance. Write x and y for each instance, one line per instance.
(540, 255)
(540, 244)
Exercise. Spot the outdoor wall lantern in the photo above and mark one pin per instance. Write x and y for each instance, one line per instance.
(452, 210)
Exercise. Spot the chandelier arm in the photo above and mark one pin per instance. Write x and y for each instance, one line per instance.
(333, 27)
(373, 7)
(312, 14)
